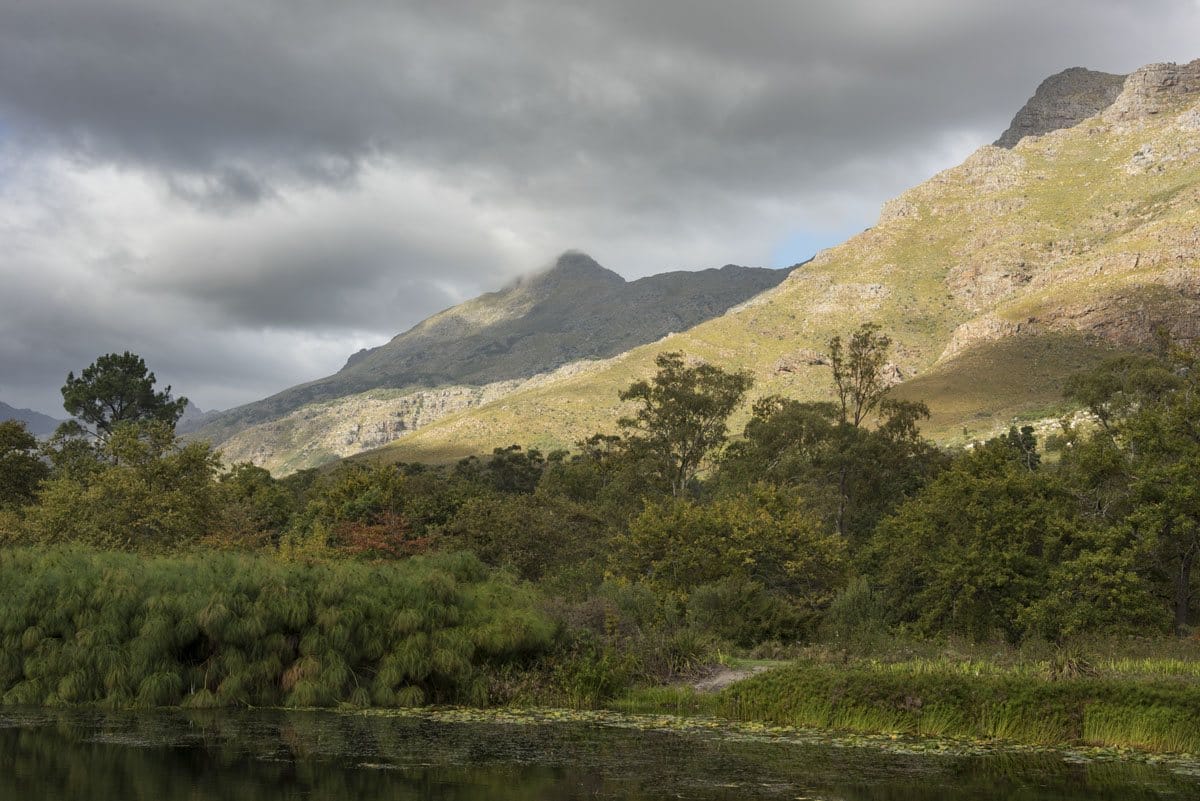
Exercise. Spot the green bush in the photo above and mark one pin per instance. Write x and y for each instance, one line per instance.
(857, 616)
(763, 535)
(140, 489)
(745, 613)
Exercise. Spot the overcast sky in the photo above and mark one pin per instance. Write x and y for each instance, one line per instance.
(246, 192)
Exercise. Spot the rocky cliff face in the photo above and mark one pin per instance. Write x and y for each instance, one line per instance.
(1063, 101)
(1154, 89)
(321, 432)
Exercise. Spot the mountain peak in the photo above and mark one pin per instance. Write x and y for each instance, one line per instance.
(576, 262)
(1063, 101)
(573, 267)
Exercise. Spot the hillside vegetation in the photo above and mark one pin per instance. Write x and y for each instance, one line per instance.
(995, 278)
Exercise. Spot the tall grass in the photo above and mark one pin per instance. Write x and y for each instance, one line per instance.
(1017, 705)
(219, 629)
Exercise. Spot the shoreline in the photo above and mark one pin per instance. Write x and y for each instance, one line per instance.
(1154, 716)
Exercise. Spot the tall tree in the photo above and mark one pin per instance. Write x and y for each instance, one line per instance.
(118, 388)
(681, 416)
(852, 476)
(1140, 467)
(858, 374)
(21, 471)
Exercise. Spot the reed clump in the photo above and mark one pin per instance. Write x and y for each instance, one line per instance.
(209, 629)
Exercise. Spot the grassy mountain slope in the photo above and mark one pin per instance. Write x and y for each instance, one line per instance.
(474, 353)
(995, 278)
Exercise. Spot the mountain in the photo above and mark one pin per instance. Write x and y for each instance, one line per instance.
(476, 352)
(996, 278)
(40, 425)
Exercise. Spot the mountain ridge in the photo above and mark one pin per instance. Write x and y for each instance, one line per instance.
(40, 425)
(574, 311)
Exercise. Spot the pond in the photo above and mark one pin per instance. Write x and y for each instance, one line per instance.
(327, 756)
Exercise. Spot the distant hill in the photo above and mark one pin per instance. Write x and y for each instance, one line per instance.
(1076, 239)
(40, 425)
(194, 417)
(479, 350)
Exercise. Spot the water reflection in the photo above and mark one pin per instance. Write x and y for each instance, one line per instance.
(274, 756)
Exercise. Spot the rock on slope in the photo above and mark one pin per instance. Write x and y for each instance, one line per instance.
(476, 352)
(995, 278)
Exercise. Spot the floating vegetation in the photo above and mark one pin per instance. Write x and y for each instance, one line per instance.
(750, 731)
(219, 629)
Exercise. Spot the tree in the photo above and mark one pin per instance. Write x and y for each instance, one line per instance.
(762, 535)
(1023, 444)
(1140, 467)
(357, 510)
(509, 470)
(115, 389)
(858, 374)
(533, 534)
(21, 471)
(147, 491)
(682, 416)
(255, 508)
(854, 475)
(990, 546)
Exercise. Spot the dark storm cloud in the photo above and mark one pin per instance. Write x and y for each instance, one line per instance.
(699, 89)
(336, 170)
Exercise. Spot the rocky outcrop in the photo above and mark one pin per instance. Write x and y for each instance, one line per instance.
(322, 432)
(797, 360)
(1063, 101)
(1154, 89)
(988, 328)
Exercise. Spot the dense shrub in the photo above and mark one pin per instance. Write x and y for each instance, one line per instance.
(763, 535)
(856, 617)
(744, 612)
(216, 629)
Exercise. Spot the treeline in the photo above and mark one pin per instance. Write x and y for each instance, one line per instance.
(828, 520)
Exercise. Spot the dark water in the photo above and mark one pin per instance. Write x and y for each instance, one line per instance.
(325, 756)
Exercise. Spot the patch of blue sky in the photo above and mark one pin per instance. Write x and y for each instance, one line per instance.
(802, 244)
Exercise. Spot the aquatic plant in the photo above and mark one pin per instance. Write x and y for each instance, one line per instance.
(206, 629)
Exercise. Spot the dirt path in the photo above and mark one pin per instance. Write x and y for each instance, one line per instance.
(724, 676)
